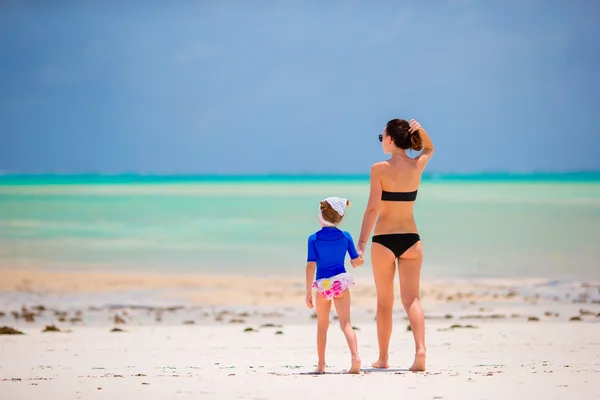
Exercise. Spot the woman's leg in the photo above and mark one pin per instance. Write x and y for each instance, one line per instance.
(342, 307)
(323, 307)
(383, 263)
(409, 268)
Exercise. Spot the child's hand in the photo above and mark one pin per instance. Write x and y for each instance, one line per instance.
(357, 262)
(309, 300)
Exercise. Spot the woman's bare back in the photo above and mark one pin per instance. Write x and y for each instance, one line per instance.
(398, 174)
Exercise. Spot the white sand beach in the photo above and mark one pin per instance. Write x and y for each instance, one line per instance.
(496, 360)
(486, 340)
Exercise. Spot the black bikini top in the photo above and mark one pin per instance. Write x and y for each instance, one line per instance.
(398, 196)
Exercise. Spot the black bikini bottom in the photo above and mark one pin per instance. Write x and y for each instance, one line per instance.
(398, 243)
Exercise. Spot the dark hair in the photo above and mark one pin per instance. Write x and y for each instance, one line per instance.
(329, 213)
(398, 130)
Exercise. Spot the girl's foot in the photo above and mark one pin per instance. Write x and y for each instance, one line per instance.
(380, 364)
(320, 367)
(419, 364)
(355, 369)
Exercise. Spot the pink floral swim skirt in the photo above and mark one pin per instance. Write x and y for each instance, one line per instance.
(334, 286)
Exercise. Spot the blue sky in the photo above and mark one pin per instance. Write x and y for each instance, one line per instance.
(296, 87)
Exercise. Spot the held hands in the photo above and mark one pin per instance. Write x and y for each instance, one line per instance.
(309, 300)
(357, 262)
(360, 249)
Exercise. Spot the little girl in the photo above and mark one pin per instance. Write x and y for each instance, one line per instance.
(326, 253)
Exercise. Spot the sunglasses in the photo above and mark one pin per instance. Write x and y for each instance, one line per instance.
(381, 137)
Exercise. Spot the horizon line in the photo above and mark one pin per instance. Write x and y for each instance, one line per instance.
(136, 177)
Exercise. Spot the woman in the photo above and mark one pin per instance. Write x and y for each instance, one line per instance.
(394, 185)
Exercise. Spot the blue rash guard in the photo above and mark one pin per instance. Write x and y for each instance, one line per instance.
(328, 248)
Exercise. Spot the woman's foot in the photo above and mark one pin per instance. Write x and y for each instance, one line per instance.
(419, 364)
(382, 364)
(320, 367)
(355, 369)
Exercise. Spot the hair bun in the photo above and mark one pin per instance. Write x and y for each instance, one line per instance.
(416, 142)
(324, 205)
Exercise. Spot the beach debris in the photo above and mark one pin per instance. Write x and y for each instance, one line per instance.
(117, 330)
(51, 328)
(471, 317)
(250, 330)
(189, 322)
(145, 383)
(61, 315)
(595, 301)
(356, 328)
(243, 315)
(270, 325)
(140, 375)
(279, 333)
(7, 330)
(75, 320)
(221, 315)
(577, 318)
(429, 317)
(118, 319)
(533, 319)
(408, 328)
(448, 316)
(272, 315)
(515, 315)
(39, 308)
(27, 315)
(458, 326)
(551, 314)
(314, 316)
(585, 312)
(236, 321)
(479, 316)
(2, 314)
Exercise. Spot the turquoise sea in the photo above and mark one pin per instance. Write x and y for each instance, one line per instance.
(473, 226)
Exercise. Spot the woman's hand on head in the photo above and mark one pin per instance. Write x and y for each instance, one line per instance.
(414, 126)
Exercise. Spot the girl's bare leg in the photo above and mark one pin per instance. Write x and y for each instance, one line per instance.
(342, 307)
(323, 309)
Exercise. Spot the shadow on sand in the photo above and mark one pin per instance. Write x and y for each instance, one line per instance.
(363, 371)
